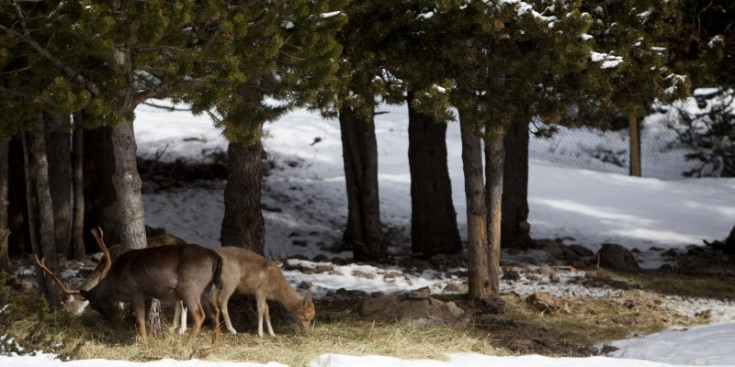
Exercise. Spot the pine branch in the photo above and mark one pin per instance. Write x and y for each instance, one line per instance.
(26, 37)
(168, 108)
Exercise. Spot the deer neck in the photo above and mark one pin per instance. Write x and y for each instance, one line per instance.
(288, 297)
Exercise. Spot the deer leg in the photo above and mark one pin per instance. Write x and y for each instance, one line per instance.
(139, 310)
(223, 296)
(177, 316)
(262, 309)
(183, 311)
(197, 315)
(268, 320)
(215, 320)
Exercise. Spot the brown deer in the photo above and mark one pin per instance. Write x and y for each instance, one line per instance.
(183, 273)
(76, 305)
(252, 274)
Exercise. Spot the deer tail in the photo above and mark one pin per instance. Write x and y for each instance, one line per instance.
(217, 278)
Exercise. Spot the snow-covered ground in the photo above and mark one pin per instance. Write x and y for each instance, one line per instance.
(305, 195)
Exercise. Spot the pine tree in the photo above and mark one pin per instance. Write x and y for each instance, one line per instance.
(510, 62)
(410, 49)
(362, 83)
(633, 33)
(284, 52)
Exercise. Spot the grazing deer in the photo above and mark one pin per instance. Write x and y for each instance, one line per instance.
(75, 304)
(183, 273)
(252, 274)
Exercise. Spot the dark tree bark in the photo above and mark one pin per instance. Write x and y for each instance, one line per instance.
(40, 212)
(478, 257)
(58, 150)
(77, 163)
(433, 218)
(100, 199)
(515, 227)
(494, 158)
(360, 154)
(243, 223)
(19, 242)
(4, 206)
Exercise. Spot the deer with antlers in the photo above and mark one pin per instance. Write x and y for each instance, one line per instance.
(75, 305)
(173, 273)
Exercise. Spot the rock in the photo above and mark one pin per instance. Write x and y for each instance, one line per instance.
(375, 305)
(455, 287)
(511, 275)
(670, 253)
(324, 268)
(419, 312)
(392, 276)
(543, 302)
(581, 250)
(362, 274)
(617, 257)
(421, 293)
(300, 243)
(558, 250)
(413, 263)
(455, 310)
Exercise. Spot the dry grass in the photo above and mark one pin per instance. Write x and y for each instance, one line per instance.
(100, 340)
(594, 320)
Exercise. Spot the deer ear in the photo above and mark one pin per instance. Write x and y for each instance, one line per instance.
(309, 297)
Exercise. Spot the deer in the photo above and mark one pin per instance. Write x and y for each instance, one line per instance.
(175, 273)
(248, 273)
(75, 305)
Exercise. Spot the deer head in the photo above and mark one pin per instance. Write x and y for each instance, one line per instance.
(306, 311)
(98, 235)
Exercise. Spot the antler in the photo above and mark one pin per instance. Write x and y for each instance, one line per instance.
(98, 236)
(41, 264)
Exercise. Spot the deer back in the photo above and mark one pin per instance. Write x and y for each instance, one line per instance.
(168, 273)
(250, 271)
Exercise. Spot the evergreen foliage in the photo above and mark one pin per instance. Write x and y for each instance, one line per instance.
(710, 134)
(285, 51)
(703, 43)
(630, 36)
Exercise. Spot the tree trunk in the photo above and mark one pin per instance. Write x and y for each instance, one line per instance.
(128, 186)
(433, 218)
(515, 227)
(100, 199)
(41, 212)
(634, 131)
(131, 216)
(58, 150)
(243, 223)
(479, 281)
(4, 206)
(77, 163)
(360, 154)
(19, 242)
(494, 158)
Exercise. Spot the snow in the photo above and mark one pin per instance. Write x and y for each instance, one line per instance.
(578, 204)
(608, 61)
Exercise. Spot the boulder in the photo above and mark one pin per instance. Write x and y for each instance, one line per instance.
(616, 257)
